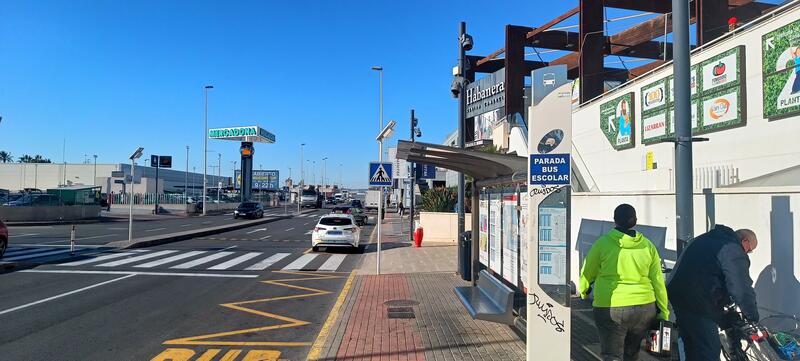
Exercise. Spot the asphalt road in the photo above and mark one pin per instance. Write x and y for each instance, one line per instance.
(257, 291)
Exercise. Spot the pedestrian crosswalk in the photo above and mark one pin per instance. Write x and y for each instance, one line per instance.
(173, 259)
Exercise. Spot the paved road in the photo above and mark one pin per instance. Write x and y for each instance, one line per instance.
(254, 292)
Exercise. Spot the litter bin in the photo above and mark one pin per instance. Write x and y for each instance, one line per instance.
(465, 255)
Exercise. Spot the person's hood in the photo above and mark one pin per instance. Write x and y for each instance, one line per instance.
(626, 241)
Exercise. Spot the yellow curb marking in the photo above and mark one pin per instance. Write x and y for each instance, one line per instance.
(239, 306)
(316, 349)
(185, 354)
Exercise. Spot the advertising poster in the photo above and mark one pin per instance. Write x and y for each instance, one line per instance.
(495, 233)
(692, 84)
(721, 109)
(483, 236)
(485, 123)
(523, 241)
(510, 238)
(780, 51)
(695, 123)
(720, 72)
(654, 127)
(552, 245)
(654, 96)
(617, 121)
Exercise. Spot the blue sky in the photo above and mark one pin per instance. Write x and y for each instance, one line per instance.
(109, 76)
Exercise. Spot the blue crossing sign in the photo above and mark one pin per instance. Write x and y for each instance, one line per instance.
(380, 174)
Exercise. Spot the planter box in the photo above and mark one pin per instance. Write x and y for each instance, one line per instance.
(442, 227)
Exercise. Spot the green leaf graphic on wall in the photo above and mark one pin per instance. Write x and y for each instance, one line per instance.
(617, 121)
(780, 51)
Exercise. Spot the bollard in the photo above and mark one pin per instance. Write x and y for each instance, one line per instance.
(72, 241)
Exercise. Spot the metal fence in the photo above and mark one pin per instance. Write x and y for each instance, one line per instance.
(151, 198)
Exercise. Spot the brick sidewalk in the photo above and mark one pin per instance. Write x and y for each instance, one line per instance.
(427, 320)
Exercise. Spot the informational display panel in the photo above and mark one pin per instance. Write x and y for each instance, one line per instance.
(483, 236)
(510, 237)
(548, 313)
(523, 241)
(780, 51)
(495, 232)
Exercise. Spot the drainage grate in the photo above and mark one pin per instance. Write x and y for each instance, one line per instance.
(400, 312)
(401, 303)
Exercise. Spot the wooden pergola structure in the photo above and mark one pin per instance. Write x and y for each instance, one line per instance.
(590, 45)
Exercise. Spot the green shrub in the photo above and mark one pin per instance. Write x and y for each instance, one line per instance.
(438, 200)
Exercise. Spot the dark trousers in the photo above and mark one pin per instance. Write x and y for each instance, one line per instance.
(700, 335)
(621, 330)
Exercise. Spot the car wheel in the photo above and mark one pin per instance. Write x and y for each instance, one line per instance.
(235, 217)
(261, 215)
(315, 249)
(3, 246)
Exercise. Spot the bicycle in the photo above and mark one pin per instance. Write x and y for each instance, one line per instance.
(745, 340)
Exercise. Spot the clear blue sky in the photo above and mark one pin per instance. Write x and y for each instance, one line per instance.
(109, 76)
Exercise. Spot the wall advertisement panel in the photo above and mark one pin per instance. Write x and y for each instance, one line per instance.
(780, 52)
(483, 236)
(510, 237)
(617, 121)
(495, 232)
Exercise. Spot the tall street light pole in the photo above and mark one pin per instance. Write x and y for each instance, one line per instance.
(138, 153)
(341, 185)
(683, 126)
(186, 176)
(205, 147)
(462, 104)
(379, 69)
(94, 182)
(324, 169)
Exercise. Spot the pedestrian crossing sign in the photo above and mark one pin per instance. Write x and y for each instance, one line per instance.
(380, 174)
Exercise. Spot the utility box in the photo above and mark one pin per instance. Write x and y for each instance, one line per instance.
(77, 195)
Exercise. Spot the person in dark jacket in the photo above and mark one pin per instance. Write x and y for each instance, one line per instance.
(712, 271)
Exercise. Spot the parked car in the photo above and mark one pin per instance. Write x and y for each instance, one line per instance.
(330, 201)
(249, 209)
(335, 230)
(357, 213)
(36, 199)
(3, 239)
(356, 203)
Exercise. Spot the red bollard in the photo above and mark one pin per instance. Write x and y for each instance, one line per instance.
(418, 237)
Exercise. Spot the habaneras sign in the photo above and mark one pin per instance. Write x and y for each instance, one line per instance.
(486, 94)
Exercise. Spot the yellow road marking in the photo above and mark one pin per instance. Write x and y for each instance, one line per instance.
(239, 306)
(174, 354)
(231, 355)
(208, 355)
(316, 349)
(262, 355)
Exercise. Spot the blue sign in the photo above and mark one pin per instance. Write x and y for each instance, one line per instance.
(262, 179)
(380, 174)
(549, 169)
(425, 171)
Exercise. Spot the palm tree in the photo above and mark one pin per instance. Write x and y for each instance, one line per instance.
(5, 157)
(25, 158)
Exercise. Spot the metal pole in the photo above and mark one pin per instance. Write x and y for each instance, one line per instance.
(158, 165)
(219, 175)
(380, 159)
(461, 108)
(130, 207)
(205, 148)
(186, 176)
(684, 216)
(94, 182)
(412, 176)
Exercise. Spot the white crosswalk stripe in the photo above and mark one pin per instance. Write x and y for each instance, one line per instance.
(43, 253)
(136, 259)
(174, 258)
(20, 251)
(235, 261)
(332, 263)
(200, 261)
(269, 261)
(98, 259)
(299, 263)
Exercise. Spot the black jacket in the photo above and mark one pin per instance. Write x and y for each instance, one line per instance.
(713, 269)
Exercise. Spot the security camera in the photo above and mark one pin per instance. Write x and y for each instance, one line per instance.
(419, 133)
(466, 42)
(455, 86)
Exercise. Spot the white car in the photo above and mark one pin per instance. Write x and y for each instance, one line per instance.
(335, 230)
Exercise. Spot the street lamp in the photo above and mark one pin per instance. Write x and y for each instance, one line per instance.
(205, 146)
(136, 155)
(186, 176)
(324, 168)
(384, 134)
(94, 182)
(379, 69)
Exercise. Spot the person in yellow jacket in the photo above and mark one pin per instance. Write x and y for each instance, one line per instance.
(624, 269)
